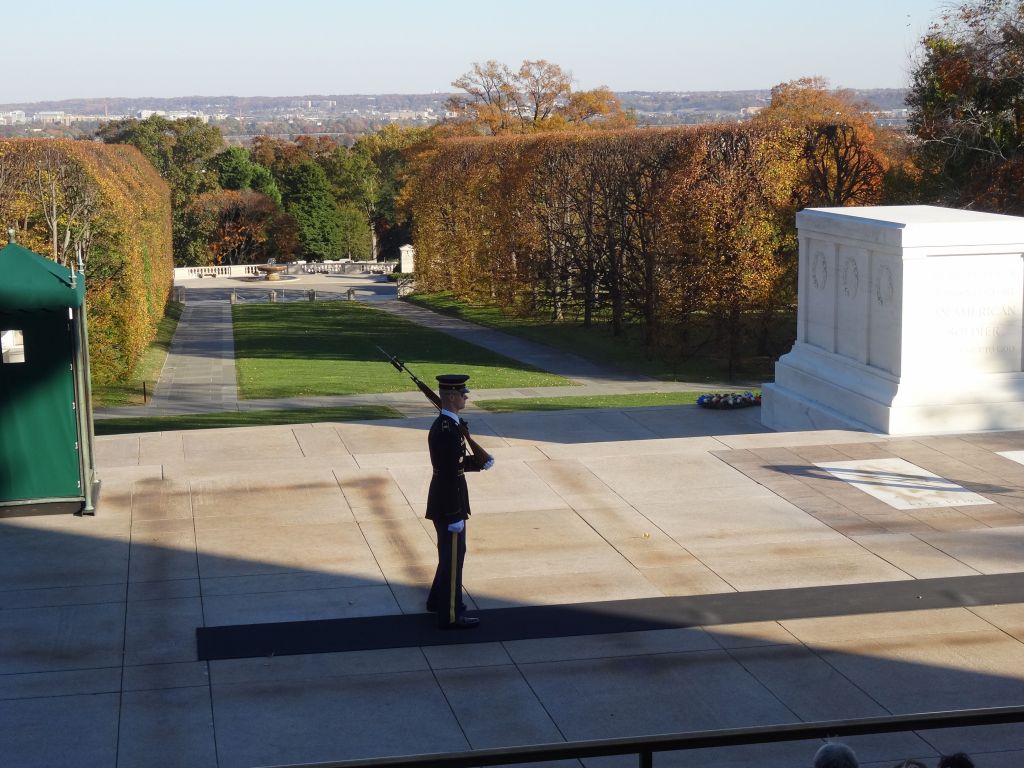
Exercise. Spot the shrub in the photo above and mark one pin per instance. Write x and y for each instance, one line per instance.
(107, 202)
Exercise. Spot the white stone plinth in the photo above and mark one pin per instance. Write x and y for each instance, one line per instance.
(407, 259)
(909, 321)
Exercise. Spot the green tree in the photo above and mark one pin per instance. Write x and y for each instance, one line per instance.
(356, 184)
(356, 235)
(308, 200)
(967, 105)
(236, 170)
(282, 158)
(179, 150)
(377, 172)
(263, 182)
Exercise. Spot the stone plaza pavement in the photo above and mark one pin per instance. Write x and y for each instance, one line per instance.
(98, 653)
(98, 657)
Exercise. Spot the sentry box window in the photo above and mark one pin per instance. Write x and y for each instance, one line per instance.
(12, 344)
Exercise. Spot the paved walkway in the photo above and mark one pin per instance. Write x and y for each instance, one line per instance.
(796, 591)
(798, 608)
(199, 371)
(199, 374)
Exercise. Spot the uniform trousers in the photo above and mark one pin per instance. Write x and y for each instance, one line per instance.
(446, 591)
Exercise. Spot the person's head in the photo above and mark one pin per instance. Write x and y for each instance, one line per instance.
(453, 391)
(911, 764)
(958, 760)
(835, 755)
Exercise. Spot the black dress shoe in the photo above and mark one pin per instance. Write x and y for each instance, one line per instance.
(431, 608)
(463, 622)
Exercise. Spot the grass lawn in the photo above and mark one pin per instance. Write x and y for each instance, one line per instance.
(147, 370)
(596, 344)
(330, 348)
(589, 401)
(243, 419)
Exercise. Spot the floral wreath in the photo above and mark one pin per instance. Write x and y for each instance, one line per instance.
(729, 400)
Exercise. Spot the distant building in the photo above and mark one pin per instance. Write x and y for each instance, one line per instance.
(51, 118)
(94, 118)
(14, 117)
(892, 118)
(174, 114)
(184, 114)
(409, 114)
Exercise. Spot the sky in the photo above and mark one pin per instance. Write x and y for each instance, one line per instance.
(66, 49)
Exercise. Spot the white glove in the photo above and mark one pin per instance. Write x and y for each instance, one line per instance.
(489, 463)
(457, 527)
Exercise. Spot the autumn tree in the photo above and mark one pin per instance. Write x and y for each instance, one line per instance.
(541, 89)
(685, 235)
(106, 203)
(597, 107)
(12, 180)
(234, 225)
(537, 96)
(568, 272)
(68, 198)
(490, 98)
(732, 203)
(967, 105)
(811, 99)
(46, 187)
(845, 164)
(277, 154)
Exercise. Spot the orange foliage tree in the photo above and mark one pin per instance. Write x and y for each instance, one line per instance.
(731, 220)
(536, 97)
(845, 163)
(107, 204)
(235, 225)
(686, 233)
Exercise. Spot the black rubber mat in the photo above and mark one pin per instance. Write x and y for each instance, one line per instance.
(533, 622)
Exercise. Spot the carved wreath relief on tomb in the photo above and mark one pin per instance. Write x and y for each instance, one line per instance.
(851, 277)
(819, 271)
(883, 285)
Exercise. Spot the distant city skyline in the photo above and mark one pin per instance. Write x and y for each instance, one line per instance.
(111, 48)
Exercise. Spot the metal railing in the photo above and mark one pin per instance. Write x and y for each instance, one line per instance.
(645, 746)
(405, 285)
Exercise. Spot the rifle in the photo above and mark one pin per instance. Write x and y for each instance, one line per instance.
(479, 453)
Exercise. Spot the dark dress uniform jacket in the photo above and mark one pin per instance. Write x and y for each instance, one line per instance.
(448, 497)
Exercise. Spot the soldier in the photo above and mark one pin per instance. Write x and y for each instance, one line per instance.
(448, 503)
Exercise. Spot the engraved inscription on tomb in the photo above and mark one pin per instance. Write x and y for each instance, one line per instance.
(975, 319)
(819, 271)
(851, 277)
(884, 288)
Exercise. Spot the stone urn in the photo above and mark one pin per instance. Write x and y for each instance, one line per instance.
(272, 271)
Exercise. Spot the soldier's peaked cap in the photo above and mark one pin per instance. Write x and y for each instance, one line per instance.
(452, 382)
